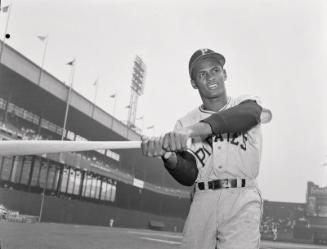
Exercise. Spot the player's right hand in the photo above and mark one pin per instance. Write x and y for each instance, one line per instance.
(177, 141)
(152, 147)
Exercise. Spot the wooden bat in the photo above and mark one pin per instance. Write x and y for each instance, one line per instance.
(35, 147)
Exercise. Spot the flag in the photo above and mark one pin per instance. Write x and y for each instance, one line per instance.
(113, 95)
(42, 38)
(71, 63)
(95, 82)
(5, 9)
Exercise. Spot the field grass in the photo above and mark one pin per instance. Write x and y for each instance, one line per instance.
(68, 236)
(55, 236)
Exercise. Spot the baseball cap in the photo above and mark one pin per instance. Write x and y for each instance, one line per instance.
(204, 53)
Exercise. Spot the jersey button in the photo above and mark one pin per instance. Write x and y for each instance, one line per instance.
(220, 167)
(219, 147)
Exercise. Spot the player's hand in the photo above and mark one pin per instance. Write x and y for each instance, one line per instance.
(177, 140)
(152, 147)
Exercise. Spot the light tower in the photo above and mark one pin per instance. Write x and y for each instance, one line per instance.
(137, 89)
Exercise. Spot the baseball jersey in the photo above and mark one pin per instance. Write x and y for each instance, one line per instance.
(228, 155)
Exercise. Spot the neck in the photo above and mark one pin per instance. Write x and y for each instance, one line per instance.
(214, 104)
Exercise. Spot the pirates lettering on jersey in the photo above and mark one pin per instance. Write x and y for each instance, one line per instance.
(238, 139)
(202, 154)
(209, 141)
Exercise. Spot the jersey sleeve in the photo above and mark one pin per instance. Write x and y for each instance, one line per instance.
(266, 114)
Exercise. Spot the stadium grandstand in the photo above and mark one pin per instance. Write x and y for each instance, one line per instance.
(92, 187)
(107, 188)
(279, 219)
(297, 222)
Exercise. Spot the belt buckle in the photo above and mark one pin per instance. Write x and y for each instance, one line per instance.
(225, 183)
(201, 186)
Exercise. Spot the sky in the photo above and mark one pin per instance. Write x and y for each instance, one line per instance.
(275, 49)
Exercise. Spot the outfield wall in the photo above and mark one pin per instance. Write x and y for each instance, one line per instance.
(81, 212)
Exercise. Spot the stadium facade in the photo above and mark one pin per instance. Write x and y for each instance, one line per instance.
(120, 187)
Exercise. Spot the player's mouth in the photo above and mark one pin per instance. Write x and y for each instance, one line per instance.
(212, 86)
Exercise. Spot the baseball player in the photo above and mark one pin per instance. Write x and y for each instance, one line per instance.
(222, 162)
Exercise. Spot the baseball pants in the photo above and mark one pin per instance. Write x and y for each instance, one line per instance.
(224, 219)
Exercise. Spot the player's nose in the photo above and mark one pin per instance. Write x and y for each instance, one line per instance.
(210, 76)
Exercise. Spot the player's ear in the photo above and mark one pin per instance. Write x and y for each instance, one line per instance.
(225, 74)
(193, 84)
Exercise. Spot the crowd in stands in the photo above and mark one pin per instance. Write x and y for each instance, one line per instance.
(15, 216)
(271, 227)
(279, 219)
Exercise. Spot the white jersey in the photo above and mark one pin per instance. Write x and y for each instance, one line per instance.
(229, 155)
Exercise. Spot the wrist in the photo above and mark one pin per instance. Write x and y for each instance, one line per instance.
(191, 131)
(170, 160)
(201, 130)
(167, 155)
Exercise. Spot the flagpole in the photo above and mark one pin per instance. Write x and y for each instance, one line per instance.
(114, 105)
(68, 99)
(6, 28)
(64, 128)
(114, 108)
(95, 95)
(114, 111)
(96, 91)
(43, 59)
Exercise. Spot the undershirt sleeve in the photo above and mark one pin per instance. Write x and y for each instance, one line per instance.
(186, 170)
(239, 118)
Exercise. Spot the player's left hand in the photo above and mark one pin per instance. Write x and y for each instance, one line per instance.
(152, 147)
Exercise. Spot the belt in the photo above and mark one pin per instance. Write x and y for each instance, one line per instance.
(222, 183)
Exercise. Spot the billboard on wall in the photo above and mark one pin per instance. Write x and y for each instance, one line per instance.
(316, 200)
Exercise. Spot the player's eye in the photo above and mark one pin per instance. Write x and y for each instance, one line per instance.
(202, 75)
(216, 69)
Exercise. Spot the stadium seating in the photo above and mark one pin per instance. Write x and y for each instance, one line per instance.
(279, 219)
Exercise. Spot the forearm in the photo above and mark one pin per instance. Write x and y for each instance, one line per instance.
(239, 118)
(182, 166)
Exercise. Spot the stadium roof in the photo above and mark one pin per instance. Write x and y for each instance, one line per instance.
(19, 78)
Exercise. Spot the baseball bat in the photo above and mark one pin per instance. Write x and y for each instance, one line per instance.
(35, 147)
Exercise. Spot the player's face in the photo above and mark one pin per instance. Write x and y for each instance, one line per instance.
(209, 78)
